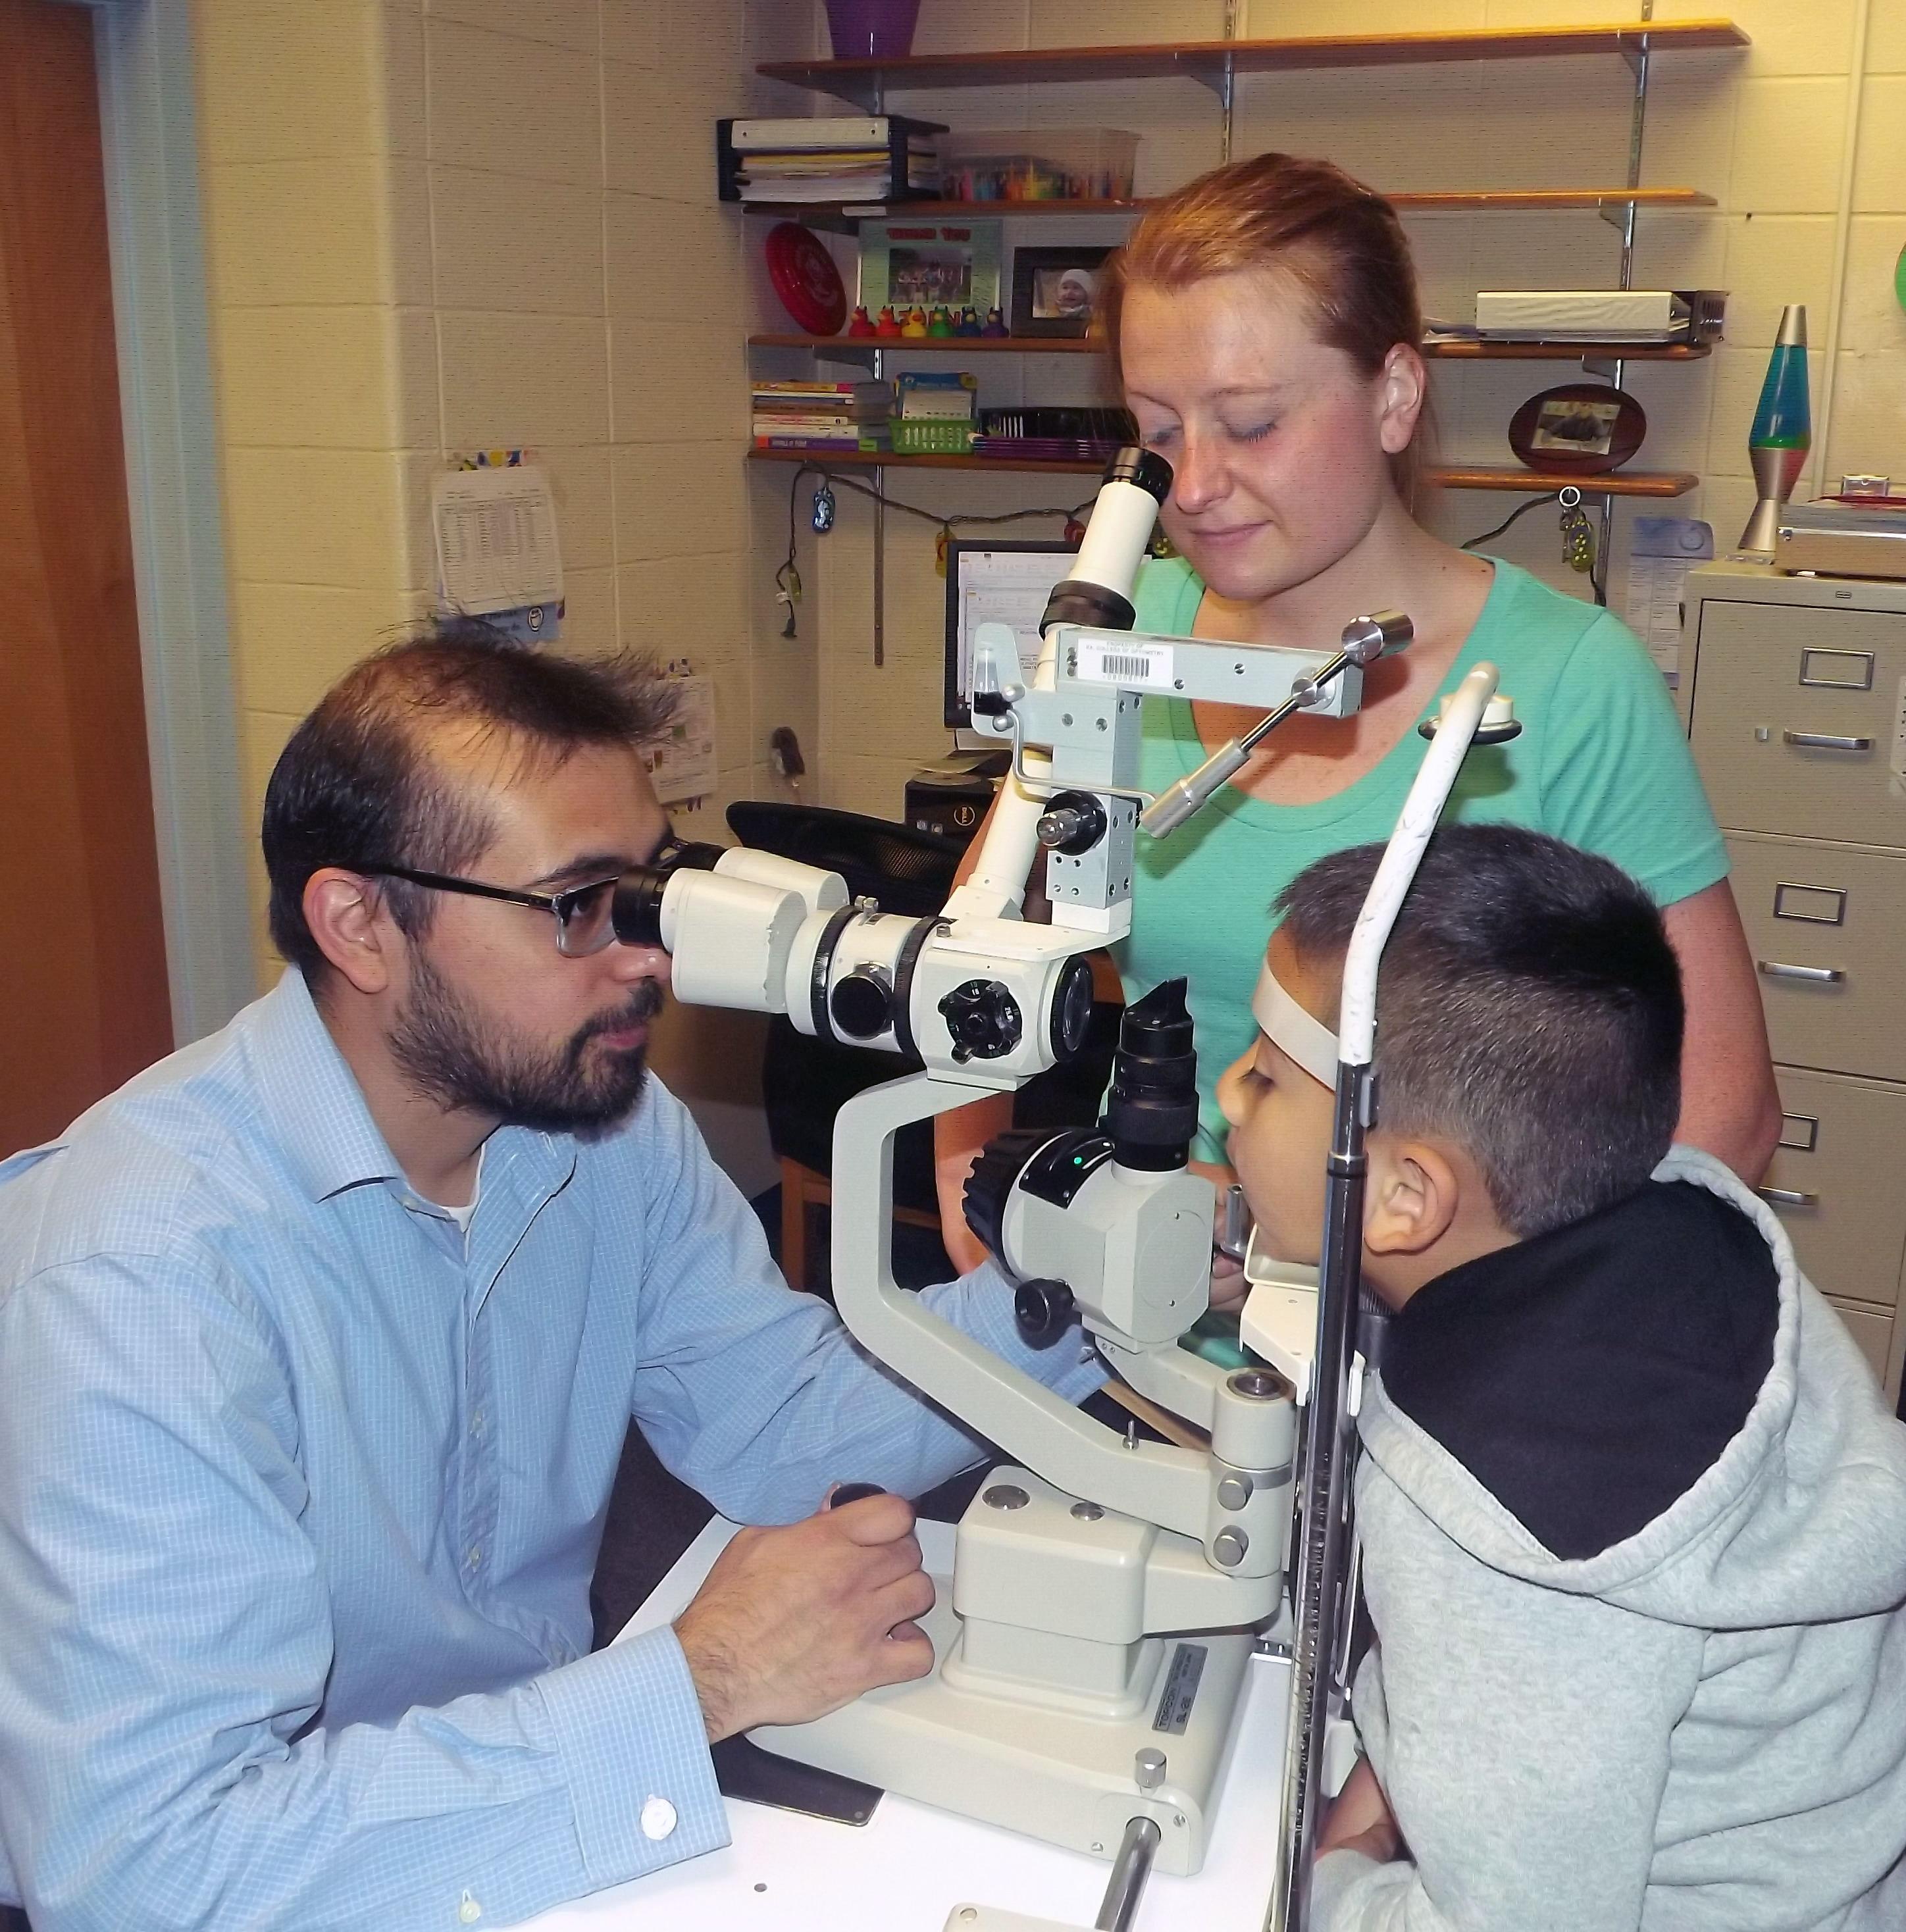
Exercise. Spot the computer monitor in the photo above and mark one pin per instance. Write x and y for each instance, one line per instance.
(996, 582)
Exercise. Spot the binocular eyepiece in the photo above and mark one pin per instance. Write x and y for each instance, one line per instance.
(636, 910)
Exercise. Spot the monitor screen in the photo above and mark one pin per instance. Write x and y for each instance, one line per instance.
(996, 583)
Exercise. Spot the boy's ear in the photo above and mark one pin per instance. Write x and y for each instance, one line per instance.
(1411, 1198)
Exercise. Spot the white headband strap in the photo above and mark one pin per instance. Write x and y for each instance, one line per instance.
(1302, 1035)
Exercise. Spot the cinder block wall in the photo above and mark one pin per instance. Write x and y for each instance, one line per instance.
(485, 223)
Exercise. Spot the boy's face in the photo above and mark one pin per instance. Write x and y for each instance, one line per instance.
(1280, 1120)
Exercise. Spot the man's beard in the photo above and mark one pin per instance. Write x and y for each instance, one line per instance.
(440, 1045)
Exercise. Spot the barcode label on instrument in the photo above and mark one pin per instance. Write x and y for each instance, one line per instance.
(1181, 1690)
(1136, 667)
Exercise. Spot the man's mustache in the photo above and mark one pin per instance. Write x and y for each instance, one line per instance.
(643, 1004)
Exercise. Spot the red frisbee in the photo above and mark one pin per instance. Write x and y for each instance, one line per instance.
(806, 279)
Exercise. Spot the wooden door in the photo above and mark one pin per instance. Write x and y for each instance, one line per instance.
(83, 999)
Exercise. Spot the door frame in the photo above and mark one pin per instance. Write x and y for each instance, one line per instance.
(143, 50)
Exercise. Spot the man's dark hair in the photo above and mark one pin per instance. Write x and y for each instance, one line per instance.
(356, 786)
(1528, 1008)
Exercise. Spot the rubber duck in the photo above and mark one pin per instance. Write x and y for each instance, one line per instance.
(969, 322)
(886, 325)
(995, 325)
(915, 325)
(858, 323)
(939, 324)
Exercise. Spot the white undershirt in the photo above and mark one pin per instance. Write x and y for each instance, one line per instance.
(461, 1216)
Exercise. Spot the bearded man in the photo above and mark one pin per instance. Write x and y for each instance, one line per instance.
(319, 1341)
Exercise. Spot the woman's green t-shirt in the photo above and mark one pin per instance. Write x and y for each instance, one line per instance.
(1601, 762)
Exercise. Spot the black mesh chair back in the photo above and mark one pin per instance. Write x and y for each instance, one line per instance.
(908, 871)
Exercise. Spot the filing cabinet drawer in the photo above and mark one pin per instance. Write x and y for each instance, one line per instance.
(1793, 717)
(1841, 1168)
(1873, 1330)
(1826, 924)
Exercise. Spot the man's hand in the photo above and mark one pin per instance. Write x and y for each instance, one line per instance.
(1361, 1819)
(793, 1623)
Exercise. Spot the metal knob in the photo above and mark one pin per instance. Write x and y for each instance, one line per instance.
(1234, 1492)
(1366, 639)
(1148, 1768)
(1228, 1547)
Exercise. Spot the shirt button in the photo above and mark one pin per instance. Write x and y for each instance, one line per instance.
(476, 1424)
(468, 1911)
(475, 1558)
(657, 1818)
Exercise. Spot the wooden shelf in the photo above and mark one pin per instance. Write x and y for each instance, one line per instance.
(1531, 482)
(936, 345)
(866, 83)
(1440, 201)
(1485, 476)
(856, 347)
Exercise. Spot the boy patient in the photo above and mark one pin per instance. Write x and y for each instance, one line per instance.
(1633, 1511)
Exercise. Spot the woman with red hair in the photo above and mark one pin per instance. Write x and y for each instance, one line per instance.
(1262, 324)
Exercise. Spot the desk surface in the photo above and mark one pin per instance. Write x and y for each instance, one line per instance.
(905, 1869)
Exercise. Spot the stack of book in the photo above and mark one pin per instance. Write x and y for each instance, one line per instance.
(838, 416)
(837, 157)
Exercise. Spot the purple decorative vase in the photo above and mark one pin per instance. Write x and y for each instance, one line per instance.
(873, 29)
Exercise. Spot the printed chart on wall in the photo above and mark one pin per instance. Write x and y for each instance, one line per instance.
(1662, 550)
(497, 556)
(681, 767)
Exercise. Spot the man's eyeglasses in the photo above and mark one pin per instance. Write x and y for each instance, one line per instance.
(584, 915)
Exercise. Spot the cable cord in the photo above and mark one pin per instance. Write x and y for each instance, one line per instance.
(787, 577)
(1522, 510)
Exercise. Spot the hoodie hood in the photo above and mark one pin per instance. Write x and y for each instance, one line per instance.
(1800, 1515)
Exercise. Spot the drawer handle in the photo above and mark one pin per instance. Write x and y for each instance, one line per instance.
(1826, 741)
(1788, 1197)
(1817, 976)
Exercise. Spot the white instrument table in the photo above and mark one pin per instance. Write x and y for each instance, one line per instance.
(910, 1864)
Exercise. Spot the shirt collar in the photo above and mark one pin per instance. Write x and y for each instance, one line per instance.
(311, 1097)
(318, 1112)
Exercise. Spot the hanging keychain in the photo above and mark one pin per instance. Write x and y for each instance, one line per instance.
(1578, 534)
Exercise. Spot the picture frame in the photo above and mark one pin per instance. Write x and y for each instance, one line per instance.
(1054, 289)
(1577, 429)
(929, 264)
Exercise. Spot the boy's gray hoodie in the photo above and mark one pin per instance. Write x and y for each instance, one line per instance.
(1700, 1727)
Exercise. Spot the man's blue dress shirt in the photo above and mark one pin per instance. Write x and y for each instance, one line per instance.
(301, 1494)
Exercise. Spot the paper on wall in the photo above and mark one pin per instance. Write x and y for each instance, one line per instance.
(1662, 551)
(682, 765)
(496, 539)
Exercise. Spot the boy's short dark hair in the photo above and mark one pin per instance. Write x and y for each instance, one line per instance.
(1528, 1007)
(355, 787)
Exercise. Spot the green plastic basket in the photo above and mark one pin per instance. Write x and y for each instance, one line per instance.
(929, 438)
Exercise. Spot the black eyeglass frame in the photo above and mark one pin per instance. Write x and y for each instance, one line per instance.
(560, 906)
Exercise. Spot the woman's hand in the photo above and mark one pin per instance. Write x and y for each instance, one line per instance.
(1361, 1819)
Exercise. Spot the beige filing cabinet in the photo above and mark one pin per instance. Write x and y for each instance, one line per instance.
(1793, 690)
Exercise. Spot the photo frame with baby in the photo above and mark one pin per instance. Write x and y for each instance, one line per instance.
(1055, 290)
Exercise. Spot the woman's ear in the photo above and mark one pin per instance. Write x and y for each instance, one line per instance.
(1411, 1197)
(1401, 389)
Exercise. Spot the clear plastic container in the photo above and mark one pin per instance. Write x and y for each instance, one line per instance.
(980, 164)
